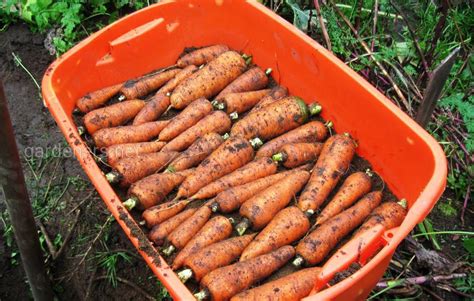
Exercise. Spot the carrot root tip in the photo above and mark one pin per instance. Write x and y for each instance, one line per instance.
(168, 251)
(121, 97)
(202, 295)
(403, 203)
(130, 203)
(256, 143)
(314, 109)
(113, 177)
(268, 71)
(81, 130)
(234, 116)
(298, 262)
(214, 207)
(242, 226)
(232, 220)
(101, 158)
(184, 275)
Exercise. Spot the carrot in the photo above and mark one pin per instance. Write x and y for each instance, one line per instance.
(180, 76)
(315, 246)
(146, 84)
(275, 119)
(388, 214)
(153, 189)
(186, 231)
(152, 110)
(216, 229)
(259, 210)
(94, 100)
(198, 151)
(116, 152)
(236, 103)
(209, 80)
(248, 173)
(355, 186)
(287, 226)
(128, 134)
(159, 232)
(332, 163)
(230, 155)
(254, 79)
(292, 287)
(275, 94)
(113, 115)
(129, 170)
(157, 214)
(214, 256)
(216, 121)
(197, 110)
(231, 199)
(225, 282)
(295, 154)
(201, 56)
(311, 132)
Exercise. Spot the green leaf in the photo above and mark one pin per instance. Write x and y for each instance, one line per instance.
(469, 245)
(300, 16)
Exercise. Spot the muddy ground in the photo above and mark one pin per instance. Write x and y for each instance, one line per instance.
(75, 276)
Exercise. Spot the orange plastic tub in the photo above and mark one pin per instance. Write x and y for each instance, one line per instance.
(408, 158)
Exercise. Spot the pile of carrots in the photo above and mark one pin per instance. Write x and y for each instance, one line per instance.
(234, 177)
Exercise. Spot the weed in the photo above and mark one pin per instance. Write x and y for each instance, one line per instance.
(108, 260)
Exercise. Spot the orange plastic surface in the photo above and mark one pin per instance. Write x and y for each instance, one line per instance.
(408, 158)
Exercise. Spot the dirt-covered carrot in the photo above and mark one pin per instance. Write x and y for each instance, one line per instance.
(209, 80)
(354, 187)
(114, 153)
(248, 173)
(292, 287)
(96, 99)
(201, 56)
(275, 119)
(113, 115)
(275, 94)
(295, 154)
(153, 109)
(147, 84)
(310, 132)
(172, 83)
(332, 163)
(315, 246)
(259, 210)
(159, 232)
(153, 189)
(216, 229)
(239, 102)
(186, 119)
(214, 256)
(157, 214)
(289, 225)
(186, 231)
(129, 170)
(198, 151)
(388, 214)
(254, 79)
(216, 122)
(230, 155)
(223, 283)
(128, 134)
(230, 199)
